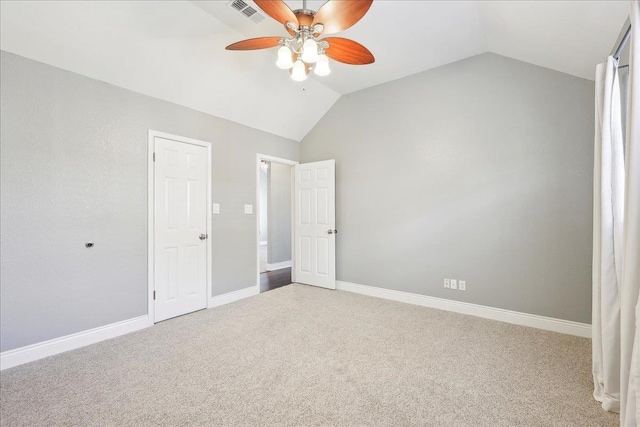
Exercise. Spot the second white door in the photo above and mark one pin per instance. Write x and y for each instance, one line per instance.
(315, 219)
(180, 228)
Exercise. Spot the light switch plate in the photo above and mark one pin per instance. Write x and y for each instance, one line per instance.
(454, 284)
(446, 283)
(216, 208)
(248, 209)
(462, 285)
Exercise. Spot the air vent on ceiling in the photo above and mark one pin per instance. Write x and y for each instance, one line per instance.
(238, 5)
(248, 11)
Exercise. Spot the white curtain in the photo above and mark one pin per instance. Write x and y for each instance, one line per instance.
(630, 289)
(608, 220)
(616, 237)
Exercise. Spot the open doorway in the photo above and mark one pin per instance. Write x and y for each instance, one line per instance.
(275, 222)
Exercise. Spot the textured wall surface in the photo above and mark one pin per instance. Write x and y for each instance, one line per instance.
(279, 205)
(480, 170)
(74, 169)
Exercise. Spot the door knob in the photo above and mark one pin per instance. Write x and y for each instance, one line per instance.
(202, 236)
(332, 231)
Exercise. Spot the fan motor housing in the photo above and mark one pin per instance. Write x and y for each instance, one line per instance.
(305, 17)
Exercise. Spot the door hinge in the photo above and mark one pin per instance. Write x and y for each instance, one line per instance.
(154, 295)
(154, 157)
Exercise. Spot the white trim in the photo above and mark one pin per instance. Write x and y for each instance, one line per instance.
(19, 356)
(293, 223)
(517, 318)
(150, 224)
(279, 265)
(233, 296)
(30, 353)
(272, 159)
(150, 211)
(263, 243)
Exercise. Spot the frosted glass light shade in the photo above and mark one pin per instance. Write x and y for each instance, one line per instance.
(310, 51)
(322, 66)
(284, 58)
(298, 73)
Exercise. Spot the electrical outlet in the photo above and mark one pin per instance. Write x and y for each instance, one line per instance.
(454, 284)
(248, 209)
(462, 285)
(446, 283)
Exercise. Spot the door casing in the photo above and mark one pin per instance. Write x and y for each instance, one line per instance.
(292, 163)
(151, 214)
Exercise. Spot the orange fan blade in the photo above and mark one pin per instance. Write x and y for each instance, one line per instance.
(278, 10)
(338, 15)
(348, 52)
(258, 43)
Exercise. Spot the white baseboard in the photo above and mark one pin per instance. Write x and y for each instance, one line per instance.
(279, 265)
(19, 356)
(524, 319)
(22, 355)
(233, 296)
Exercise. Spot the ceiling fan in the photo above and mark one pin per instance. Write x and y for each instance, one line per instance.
(304, 49)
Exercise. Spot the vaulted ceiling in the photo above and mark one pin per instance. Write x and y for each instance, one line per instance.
(175, 50)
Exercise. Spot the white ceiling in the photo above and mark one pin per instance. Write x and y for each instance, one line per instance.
(174, 50)
(169, 50)
(568, 36)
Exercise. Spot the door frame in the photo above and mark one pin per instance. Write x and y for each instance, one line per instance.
(151, 214)
(282, 161)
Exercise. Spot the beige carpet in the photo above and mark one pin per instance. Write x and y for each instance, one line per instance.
(300, 355)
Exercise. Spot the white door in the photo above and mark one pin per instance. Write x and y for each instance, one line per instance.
(315, 220)
(180, 227)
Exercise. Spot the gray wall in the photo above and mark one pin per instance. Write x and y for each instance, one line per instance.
(264, 225)
(279, 206)
(74, 169)
(480, 170)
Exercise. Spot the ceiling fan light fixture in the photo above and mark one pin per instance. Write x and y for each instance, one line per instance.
(322, 66)
(310, 51)
(284, 58)
(305, 47)
(298, 73)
